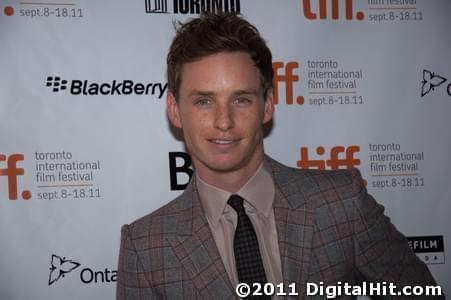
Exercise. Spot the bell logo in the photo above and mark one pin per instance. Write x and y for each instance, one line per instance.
(332, 7)
(288, 77)
(340, 157)
(178, 171)
(12, 172)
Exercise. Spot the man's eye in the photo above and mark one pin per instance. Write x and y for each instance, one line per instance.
(242, 100)
(203, 101)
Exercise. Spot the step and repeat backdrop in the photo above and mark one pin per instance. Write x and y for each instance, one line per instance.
(85, 145)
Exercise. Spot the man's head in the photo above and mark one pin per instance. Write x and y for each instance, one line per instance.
(220, 97)
(214, 33)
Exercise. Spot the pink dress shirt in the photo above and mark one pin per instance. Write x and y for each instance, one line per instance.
(258, 193)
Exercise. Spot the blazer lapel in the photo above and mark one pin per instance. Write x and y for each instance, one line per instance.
(196, 249)
(295, 224)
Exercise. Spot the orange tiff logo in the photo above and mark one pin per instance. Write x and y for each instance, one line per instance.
(288, 77)
(340, 158)
(12, 172)
(324, 7)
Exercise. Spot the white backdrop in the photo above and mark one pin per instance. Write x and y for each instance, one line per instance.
(84, 141)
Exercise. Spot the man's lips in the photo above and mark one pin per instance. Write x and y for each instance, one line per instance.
(223, 141)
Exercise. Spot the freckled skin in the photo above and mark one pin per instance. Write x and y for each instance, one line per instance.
(221, 110)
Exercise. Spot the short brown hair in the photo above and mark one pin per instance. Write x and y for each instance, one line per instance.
(212, 33)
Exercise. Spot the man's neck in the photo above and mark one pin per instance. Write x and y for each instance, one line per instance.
(229, 181)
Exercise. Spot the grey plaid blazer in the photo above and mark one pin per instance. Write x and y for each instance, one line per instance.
(329, 230)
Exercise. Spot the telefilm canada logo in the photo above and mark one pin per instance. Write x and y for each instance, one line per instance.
(60, 267)
(431, 81)
(430, 249)
(112, 88)
(191, 6)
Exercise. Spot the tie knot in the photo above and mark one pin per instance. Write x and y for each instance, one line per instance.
(236, 202)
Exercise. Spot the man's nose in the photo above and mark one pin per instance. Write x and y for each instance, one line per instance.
(224, 119)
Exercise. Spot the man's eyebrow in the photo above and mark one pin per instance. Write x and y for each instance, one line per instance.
(246, 92)
(234, 94)
(200, 93)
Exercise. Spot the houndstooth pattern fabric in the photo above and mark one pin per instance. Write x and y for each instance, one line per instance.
(249, 263)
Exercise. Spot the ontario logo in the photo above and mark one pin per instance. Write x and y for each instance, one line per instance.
(115, 87)
(431, 81)
(61, 266)
(191, 6)
(12, 172)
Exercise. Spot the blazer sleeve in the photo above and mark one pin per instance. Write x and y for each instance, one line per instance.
(382, 253)
(133, 282)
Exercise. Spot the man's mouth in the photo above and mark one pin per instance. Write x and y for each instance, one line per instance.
(223, 142)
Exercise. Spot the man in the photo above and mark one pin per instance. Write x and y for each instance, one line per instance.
(245, 217)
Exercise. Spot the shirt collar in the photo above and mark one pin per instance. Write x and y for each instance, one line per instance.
(258, 191)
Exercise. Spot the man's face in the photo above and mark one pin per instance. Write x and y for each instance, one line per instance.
(221, 110)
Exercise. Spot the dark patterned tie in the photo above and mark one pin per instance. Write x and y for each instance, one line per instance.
(249, 264)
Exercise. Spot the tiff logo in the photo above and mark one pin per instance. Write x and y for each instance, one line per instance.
(56, 83)
(159, 6)
(339, 157)
(12, 172)
(330, 9)
(288, 77)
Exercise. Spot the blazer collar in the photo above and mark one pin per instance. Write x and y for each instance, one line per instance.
(294, 217)
(192, 215)
(195, 247)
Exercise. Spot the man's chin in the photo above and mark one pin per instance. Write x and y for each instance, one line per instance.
(222, 166)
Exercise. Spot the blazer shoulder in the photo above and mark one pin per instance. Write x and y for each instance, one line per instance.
(318, 187)
(343, 180)
(317, 180)
(161, 221)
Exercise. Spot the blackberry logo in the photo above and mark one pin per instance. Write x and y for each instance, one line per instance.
(56, 83)
(113, 88)
(191, 6)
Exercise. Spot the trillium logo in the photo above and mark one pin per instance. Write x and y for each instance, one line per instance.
(430, 81)
(59, 267)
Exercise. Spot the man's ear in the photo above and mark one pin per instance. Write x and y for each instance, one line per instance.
(269, 106)
(172, 110)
